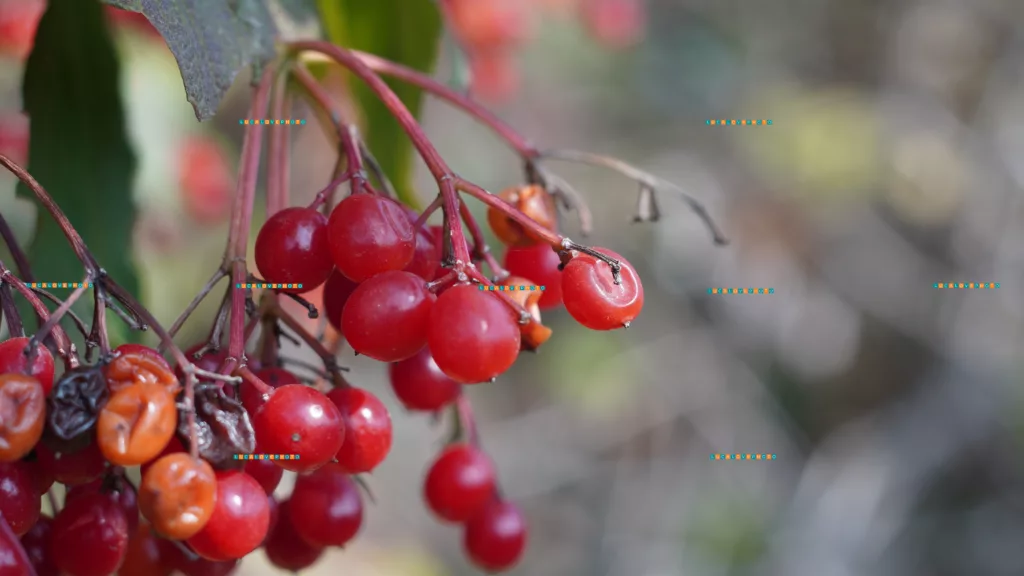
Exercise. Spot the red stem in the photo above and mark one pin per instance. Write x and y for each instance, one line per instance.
(277, 149)
(241, 216)
(59, 335)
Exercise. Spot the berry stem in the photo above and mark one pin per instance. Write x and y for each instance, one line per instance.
(278, 168)
(466, 420)
(247, 375)
(79, 324)
(203, 292)
(505, 208)
(272, 309)
(524, 315)
(98, 335)
(65, 349)
(54, 318)
(241, 216)
(20, 260)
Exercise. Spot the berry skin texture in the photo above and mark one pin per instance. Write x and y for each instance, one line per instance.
(36, 543)
(473, 336)
(13, 559)
(274, 377)
(239, 522)
(420, 385)
(19, 501)
(177, 495)
(136, 424)
(532, 200)
(299, 420)
(90, 536)
(266, 473)
(496, 537)
(72, 468)
(367, 429)
(292, 248)
(592, 297)
(285, 548)
(138, 367)
(22, 415)
(336, 293)
(326, 507)
(538, 263)
(460, 483)
(386, 317)
(12, 359)
(120, 491)
(427, 254)
(369, 235)
(143, 557)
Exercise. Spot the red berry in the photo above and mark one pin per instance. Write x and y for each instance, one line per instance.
(71, 468)
(369, 235)
(37, 546)
(266, 473)
(274, 377)
(117, 489)
(20, 503)
(12, 359)
(14, 130)
(494, 76)
(13, 559)
(473, 336)
(539, 263)
(496, 537)
(460, 483)
(592, 297)
(285, 548)
(145, 554)
(299, 420)
(126, 349)
(292, 248)
(203, 567)
(367, 429)
(326, 507)
(205, 179)
(336, 293)
(18, 22)
(420, 385)
(210, 361)
(386, 317)
(41, 477)
(486, 25)
(90, 536)
(615, 23)
(427, 255)
(437, 232)
(239, 522)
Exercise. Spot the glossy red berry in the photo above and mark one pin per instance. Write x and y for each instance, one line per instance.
(71, 468)
(386, 317)
(90, 536)
(299, 420)
(36, 543)
(118, 489)
(473, 336)
(594, 299)
(496, 537)
(22, 415)
(367, 429)
(126, 349)
(145, 555)
(210, 361)
(326, 507)
(239, 522)
(420, 385)
(427, 255)
(12, 360)
(20, 503)
(13, 559)
(460, 483)
(538, 263)
(266, 473)
(437, 232)
(285, 548)
(368, 235)
(336, 293)
(292, 248)
(272, 376)
(41, 477)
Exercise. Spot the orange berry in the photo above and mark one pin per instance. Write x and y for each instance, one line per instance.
(177, 495)
(22, 415)
(138, 367)
(136, 424)
(531, 200)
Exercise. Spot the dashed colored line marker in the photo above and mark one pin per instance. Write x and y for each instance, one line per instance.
(510, 288)
(741, 290)
(266, 456)
(734, 122)
(271, 286)
(59, 284)
(966, 285)
(249, 121)
(742, 457)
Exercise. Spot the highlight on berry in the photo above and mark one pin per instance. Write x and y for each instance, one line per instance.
(135, 446)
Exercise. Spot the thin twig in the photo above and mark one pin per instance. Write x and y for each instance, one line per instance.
(203, 292)
(20, 259)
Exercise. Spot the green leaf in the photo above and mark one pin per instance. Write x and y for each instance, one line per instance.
(211, 40)
(79, 148)
(406, 31)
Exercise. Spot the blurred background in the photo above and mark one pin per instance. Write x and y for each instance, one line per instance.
(895, 160)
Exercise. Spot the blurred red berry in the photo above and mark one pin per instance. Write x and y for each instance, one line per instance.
(14, 135)
(206, 181)
(614, 23)
(18, 22)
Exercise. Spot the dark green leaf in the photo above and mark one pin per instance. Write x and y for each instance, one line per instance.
(406, 31)
(211, 40)
(79, 148)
